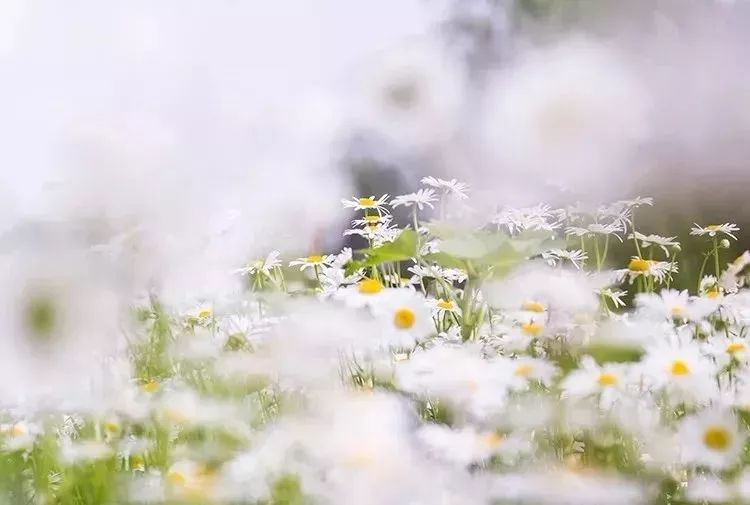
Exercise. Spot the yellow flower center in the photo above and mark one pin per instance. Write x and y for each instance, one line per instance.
(369, 286)
(204, 313)
(714, 293)
(17, 430)
(531, 329)
(445, 304)
(176, 479)
(717, 438)
(361, 458)
(111, 427)
(150, 387)
(679, 368)
(638, 265)
(524, 370)
(404, 318)
(372, 219)
(533, 307)
(606, 379)
(366, 202)
(735, 347)
(491, 440)
(315, 258)
(712, 227)
(676, 311)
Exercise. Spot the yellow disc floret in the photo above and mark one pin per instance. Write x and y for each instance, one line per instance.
(735, 347)
(445, 304)
(717, 438)
(369, 286)
(679, 368)
(606, 379)
(533, 307)
(638, 265)
(532, 329)
(404, 318)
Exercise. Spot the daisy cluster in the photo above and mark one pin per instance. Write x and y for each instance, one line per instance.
(504, 361)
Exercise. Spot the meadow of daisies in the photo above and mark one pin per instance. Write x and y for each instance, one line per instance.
(505, 361)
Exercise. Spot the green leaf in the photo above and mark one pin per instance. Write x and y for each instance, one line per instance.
(610, 352)
(473, 246)
(401, 249)
(446, 260)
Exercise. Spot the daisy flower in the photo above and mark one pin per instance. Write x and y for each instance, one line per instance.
(726, 349)
(187, 479)
(264, 266)
(576, 257)
(367, 203)
(711, 438)
(451, 187)
(405, 316)
(607, 380)
(656, 240)
(712, 229)
(364, 293)
(373, 220)
(379, 234)
(459, 375)
(442, 306)
(615, 295)
(638, 201)
(596, 229)
(422, 198)
(668, 303)
(678, 366)
(315, 260)
(539, 217)
(527, 369)
(639, 267)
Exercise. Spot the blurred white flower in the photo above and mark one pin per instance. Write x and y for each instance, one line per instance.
(561, 113)
(414, 95)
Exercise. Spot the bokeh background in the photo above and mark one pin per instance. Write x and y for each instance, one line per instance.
(178, 115)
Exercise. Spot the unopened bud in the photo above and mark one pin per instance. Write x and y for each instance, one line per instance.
(724, 244)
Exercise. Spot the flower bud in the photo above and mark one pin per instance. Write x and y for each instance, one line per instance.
(724, 244)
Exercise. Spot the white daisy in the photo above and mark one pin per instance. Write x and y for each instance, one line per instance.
(467, 445)
(364, 293)
(405, 318)
(313, 261)
(459, 376)
(711, 438)
(576, 257)
(639, 267)
(527, 369)
(451, 187)
(668, 303)
(422, 198)
(657, 240)
(608, 381)
(678, 366)
(264, 266)
(442, 306)
(367, 203)
(727, 349)
(614, 295)
(712, 229)
(539, 217)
